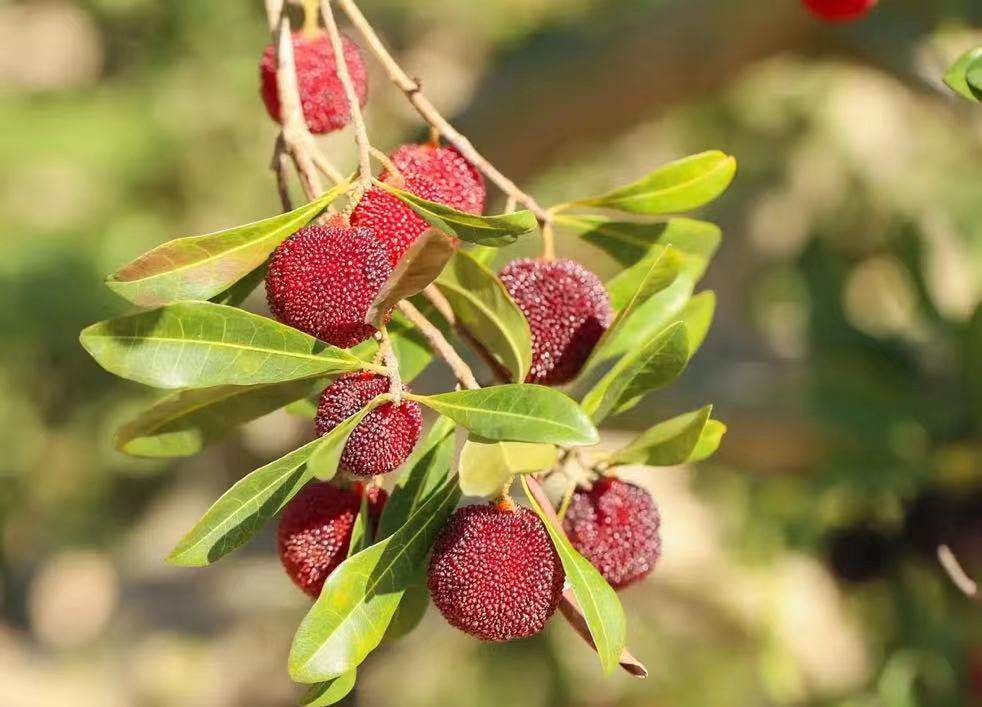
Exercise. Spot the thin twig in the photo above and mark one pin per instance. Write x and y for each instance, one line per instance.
(361, 134)
(391, 365)
(548, 242)
(431, 115)
(280, 166)
(959, 578)
(390, 166)
(443, 348)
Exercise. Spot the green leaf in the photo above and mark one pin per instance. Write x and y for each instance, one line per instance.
(484, 255)
(240, 291)
(185, 422)
(660, 272)
(331, 691)
(485, 466)
(417, 268)
(202, 344)
(709, 440)
(495, 231)
(253, 500)
(411, 610)
(652, 366)
(668, 443)
(200, 267)
(629, 242)
(518, 412)
(650, 318)
(678, 186)
(598, 601)
(697, 315)
(427, 469)
(360, 597)
(965, 75)
(484, 308)
(361, 533)
(323, 463)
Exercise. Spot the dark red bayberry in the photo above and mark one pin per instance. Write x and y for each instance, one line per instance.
(615, 526)
(323, 279)
(568, 310)
(315, 530)
(384, 438)
(494, 572)
(321, 94)
(437, 174)
(839, 10)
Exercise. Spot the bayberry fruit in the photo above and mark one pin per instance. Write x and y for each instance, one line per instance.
(315, 530)
(615, 526)
(839, 10)
(323, 279)
(322, 98)
(437, 174)
(494, 572)
(567, 309)
(384, 438)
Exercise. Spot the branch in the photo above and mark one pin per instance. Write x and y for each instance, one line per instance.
(354, 107)
(388, 354)
(440, 345)
(958, 576)
(431, 115)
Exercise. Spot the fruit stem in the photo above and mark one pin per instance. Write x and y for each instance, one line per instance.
(441, 347)
(311, 26)
(361, 133)
(429, 113)
(548, 242)
(390, 166)
(391, 367)
(567, 497)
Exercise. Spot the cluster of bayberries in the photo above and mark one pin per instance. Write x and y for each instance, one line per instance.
(494, 572)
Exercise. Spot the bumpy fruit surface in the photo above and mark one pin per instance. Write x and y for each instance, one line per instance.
(325, 106)
(437, 174)
(384, 438)
(315, 530)
(615, 526)
(494, 573)
(323, 279)
(839, 10)
(568, 310)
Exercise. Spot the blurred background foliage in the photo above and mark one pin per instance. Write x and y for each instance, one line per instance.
(799, 564)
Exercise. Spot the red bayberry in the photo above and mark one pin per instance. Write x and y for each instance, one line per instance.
(384, 438)
(615, 525)
(315, 530)
(568, 310)
(323, 279)
(494, 573)
(437, 174)
(322, 98)
(839, 10)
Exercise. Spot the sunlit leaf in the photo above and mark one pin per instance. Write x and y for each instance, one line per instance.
(331, 691)
(709, 441)
(495, 231)
(697, 315)
(201, 267)
(517, 412)
(485, 466)
(668, 443)
(202, 345)
(486, 310)
(965, 75)
(360, 597)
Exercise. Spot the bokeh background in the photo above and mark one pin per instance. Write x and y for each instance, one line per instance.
(799, 564)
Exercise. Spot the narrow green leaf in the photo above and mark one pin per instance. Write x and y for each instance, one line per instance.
(323, 463)
(495, 231)
(185, 422)
(417, 268)
(426, 470)
(483, 254)
(660, 272)
(202, 344)
(516, 412)
(678, 186)
(965, 75)
(709, 441)
(360, 597)
(668, 443)
(253, 500)
(601, 608)
(630, 242)
(650, 318)
(331, 691)
(652, 366)
(486, 310)
(361, 532)
(485, 466)
(697, 314)
(200, 267)
(412, 608)
(240, 291)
